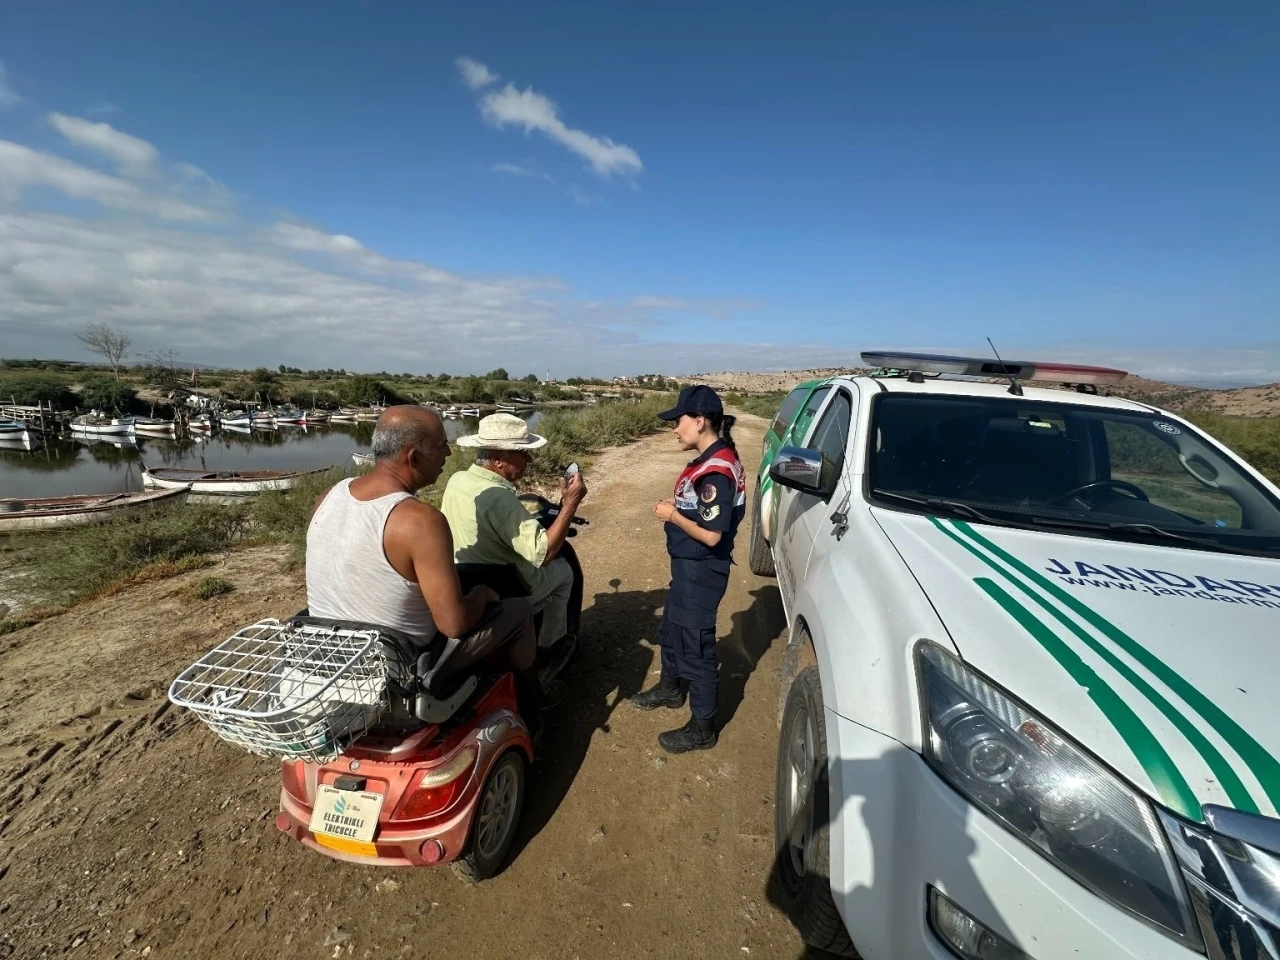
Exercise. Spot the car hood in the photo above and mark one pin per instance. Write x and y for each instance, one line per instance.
(1162, 661)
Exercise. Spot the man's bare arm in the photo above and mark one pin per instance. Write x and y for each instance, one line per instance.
(425, 533)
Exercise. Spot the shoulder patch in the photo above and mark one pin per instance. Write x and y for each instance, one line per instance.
(708, 493)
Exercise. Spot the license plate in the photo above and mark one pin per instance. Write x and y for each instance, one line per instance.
(348, 814)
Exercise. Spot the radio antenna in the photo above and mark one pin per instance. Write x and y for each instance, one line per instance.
(1014, 387)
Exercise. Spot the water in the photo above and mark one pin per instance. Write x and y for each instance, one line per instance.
(66, 466)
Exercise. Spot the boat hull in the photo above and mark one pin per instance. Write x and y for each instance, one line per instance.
(232, 486)
(60, 512)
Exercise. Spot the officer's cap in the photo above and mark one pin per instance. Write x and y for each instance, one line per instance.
(696, 401)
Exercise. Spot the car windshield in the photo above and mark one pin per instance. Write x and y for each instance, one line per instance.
(1117, 473)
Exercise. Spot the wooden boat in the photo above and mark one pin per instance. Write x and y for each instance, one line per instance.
(202, 423)
(289, 415)
(236, 418)
(96, 425)
(224, 482)
(19, 441)
(236, 427)
(263, 420)
(10, 429)
(316, 416)
(154, 427)
(51, 513)
(469, 412)
(506, 408)
(362, 459)
(369, 414)
(344, 415)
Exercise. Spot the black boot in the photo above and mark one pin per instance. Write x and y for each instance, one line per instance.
(694, 735)
(667, 692)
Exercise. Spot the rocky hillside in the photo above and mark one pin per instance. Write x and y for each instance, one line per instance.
(1260, 401)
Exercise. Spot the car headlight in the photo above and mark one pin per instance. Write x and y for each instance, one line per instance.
(1015, 767)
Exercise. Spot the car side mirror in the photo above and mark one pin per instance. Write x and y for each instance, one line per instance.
(805, 470)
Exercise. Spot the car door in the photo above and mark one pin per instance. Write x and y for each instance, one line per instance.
(791, 505)
(807, 516)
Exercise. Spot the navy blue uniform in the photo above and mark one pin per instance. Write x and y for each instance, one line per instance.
(712, 493)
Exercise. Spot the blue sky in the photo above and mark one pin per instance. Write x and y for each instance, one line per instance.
(676, 187)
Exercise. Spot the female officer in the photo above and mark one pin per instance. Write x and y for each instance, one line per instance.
(700, 522)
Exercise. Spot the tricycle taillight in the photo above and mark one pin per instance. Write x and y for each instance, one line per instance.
(438, 787)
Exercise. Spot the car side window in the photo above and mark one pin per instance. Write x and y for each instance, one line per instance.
(811, 407)
(787, 411)
(832, 435)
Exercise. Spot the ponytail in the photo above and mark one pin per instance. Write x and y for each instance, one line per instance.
(723, 426)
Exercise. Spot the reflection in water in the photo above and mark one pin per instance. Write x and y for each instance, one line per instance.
(66, 466)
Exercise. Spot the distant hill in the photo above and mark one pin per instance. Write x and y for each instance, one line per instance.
(1259, 401)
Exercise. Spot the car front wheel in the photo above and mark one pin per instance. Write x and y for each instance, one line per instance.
(761, 559)
(802, 821)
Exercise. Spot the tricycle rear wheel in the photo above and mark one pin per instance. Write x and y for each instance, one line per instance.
(497, 815)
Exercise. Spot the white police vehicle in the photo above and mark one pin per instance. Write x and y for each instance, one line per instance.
(1030, 692)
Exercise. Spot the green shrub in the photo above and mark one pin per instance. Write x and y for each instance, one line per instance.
(211, 587)
(107, 393)
(363, 388)
(38, 388)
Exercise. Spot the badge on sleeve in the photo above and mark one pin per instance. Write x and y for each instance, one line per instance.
(708, 493)
(709, 513)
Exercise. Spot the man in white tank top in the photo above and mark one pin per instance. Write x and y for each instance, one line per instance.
(377, 554)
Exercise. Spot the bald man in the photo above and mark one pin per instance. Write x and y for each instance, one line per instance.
(377, 554)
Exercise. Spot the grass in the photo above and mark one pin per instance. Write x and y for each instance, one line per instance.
(102, 558)
(211, 587)
(282, 516)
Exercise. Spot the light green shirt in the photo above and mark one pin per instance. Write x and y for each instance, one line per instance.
(490, 525)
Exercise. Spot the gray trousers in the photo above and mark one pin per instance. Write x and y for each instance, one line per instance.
(553, 601)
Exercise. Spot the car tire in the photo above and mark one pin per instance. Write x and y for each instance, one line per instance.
(802, 821)
(761, 559)
(497, 815)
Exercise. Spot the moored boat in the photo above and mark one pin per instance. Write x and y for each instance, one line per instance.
(51, 513)
(362, 459)
(289, 415)
(469, 412)
(224, 482)
(344, 415)
(154, 427)
(97, 425)
(316, 416)
(236, 418)
(263, 420)
(202, 423)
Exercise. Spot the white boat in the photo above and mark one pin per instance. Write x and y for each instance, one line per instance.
(344, 415)
(236, 427)
(362, 459)
(316, 416)
(263, 420)
(369, 414)
(11, 428)
(506, 408)
(19, 441)
(96, 425)
(154, 427)
(289, 415)
(469, 412)
(224, 482)
(202, 423)
(51, 513)
(236, 418)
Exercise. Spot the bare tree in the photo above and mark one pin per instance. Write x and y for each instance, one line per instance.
(107, 342)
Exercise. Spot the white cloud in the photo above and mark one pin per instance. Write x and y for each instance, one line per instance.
(102, 108)
(8, 96)
(533, 111)
(22, 168)
(476, 75)
(130, 155)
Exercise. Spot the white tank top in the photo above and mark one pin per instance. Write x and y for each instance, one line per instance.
(348, 575)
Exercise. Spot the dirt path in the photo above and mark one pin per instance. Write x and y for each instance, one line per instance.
(128, 830)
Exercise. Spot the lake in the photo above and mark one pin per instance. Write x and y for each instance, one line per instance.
(66, 466)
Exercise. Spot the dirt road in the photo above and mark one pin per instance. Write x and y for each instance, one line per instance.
(128, 830)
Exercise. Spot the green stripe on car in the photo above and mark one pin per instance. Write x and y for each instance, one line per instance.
(1231, 783)
(1155, 760)
(1261, 763)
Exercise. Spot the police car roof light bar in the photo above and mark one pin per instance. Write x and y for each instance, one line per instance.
(979, 367)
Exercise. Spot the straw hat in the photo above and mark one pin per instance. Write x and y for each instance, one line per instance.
(503, 431)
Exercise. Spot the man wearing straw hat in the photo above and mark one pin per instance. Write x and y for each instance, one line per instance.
(490, 525)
